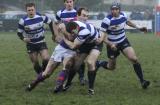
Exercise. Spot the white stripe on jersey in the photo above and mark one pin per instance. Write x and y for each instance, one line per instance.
(114, 27)
(88, 33)
(65, 15)
(33, 27)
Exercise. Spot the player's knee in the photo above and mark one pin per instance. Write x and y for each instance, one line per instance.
(90, 62)
(133, 59)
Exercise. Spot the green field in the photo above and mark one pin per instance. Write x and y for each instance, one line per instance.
(120, 87)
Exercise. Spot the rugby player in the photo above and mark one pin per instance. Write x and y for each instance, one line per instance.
(31, 31)
(63, 16)
(85, 43)
(113, 27)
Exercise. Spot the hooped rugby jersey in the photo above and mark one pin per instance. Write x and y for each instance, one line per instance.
(33, 28)
(66, 16)
(114, 27)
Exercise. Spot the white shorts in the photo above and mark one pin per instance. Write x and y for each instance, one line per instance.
(60, 53)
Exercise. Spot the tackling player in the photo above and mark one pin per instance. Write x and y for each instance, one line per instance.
(86, 37)
(63, 16)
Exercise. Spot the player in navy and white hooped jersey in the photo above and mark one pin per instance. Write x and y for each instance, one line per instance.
(113, 27)
(33, 28)
(67, 14)
(31, 31)
(85, 41)
(63, 16)
(61, 54)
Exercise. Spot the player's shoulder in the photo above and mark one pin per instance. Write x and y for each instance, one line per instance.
(123, 14)
(109, 16)
(107, 19)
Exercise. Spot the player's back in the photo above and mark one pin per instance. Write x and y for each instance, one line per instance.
(87, 32)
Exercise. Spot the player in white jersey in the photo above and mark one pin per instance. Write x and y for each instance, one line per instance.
(113, 26)
(61, 54)
(31, 31)
(86, 37)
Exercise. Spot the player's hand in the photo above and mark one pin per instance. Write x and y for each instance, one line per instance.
(26, 40)
(143, 29)
(113, 46)
(99, 40)
(62, 28)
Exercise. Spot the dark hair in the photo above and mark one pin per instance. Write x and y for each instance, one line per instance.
(70, 26)
(66, 0)
(30, 5)
(79, 11)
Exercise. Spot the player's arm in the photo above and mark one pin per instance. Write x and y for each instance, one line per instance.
(21, 30)
(73, 45)
(50, 23)
(51, 28)
(20, 35)
(57, 37)
(101, 38)
(131, 24)
(106, 41)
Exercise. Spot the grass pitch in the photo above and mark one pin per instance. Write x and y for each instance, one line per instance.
(120, 87)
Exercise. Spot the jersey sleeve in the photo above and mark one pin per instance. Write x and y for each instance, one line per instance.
(57, 19)
(21, 26)
(126, 17)
(105, 24)
(83, 35)
(46, 19)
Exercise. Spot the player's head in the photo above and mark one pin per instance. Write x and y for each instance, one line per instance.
(69, 4)
(72, 28)
(82, 14)
(115, 9)
(30, 8)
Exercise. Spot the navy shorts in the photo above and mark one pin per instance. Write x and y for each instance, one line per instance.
(87, 47)
(120, 46)
(36, 47)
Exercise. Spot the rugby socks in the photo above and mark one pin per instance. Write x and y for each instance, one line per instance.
(91, 78)
(44, 64)
(39, 78)
(37, 68)
(81, 71)
(71, 75)
(61, 77)
(138, 70)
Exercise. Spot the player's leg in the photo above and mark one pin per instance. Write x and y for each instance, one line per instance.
(51, 66)
(91, 59)
(43, 50)
(63, 74)
(81, 74)
(111, 63)
(79, 59)
(34, 59)
(130, 54)
(33, 55)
